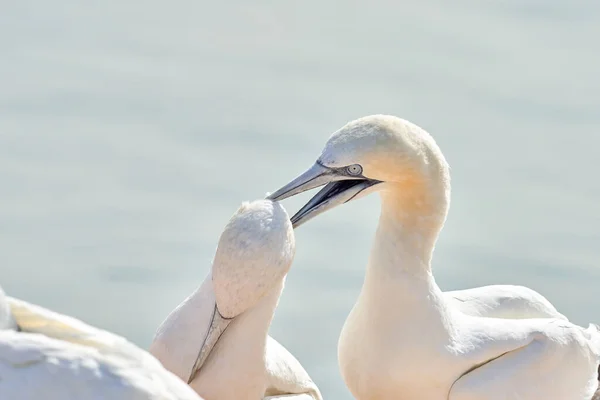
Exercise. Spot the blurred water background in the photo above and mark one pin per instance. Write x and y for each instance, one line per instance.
(131, 131)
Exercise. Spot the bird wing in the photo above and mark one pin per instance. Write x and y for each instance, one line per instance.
(286, 376)
(528, 359)
(81, 358)
(34, 367)
(503, 301)
(32, 318)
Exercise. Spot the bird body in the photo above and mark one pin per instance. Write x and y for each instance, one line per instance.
(502, 301)
(232, 310)
(54, 356)
(404, 337)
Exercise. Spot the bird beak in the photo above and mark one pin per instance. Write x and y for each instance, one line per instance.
(339, 189)
(218, 325)
(315, 176)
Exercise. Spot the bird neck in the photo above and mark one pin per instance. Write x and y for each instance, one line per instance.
(409, 225)
(178, 340)
(236, 367)
(400, 312)
(246, 336)
(399, 268)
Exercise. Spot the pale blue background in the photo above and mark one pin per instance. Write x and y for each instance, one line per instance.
(131, 131)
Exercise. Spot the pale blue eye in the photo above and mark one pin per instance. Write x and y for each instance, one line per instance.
(354, 169)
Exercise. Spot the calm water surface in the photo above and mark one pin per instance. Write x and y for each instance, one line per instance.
(131, 131)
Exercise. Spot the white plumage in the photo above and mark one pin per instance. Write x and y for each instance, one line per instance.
(217, 338)
(407, 339)
(58, 357)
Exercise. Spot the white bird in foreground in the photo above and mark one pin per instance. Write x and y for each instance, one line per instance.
(404, 338)
(217, 339)
(55, 357)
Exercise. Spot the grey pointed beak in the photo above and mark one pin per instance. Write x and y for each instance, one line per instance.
(314, 177)
(218, 325)
(339, 189)
(331, 196)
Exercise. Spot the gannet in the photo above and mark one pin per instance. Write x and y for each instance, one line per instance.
(406, 339)
(46, 355)
(217, 338)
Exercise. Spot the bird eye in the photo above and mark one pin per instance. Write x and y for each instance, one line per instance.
(354, 169)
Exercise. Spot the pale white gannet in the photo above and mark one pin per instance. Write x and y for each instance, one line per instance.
(55, 357)
(217, 339)
(406, 339)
